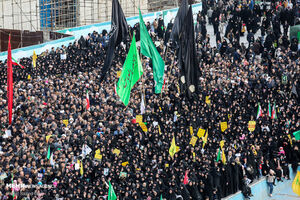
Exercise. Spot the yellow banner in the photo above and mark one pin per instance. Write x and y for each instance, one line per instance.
(125, 163)
(139, 118)
(117, 151)
(143, 126)
(193, 140)
(66, 122)
(223, 126)
(201, 132)
(191, 130)
(98, 155)
(251, 125)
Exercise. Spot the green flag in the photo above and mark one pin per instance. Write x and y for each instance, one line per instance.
(297, 135)
(111, 193)
(148, 49)
(161, 197)
(131, 73)
(219, 155)
(48, 154)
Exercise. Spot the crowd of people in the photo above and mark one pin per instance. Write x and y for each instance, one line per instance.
(89, 148)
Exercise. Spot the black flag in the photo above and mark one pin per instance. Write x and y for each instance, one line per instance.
(119, 32)
(179, 20)
(188, 61)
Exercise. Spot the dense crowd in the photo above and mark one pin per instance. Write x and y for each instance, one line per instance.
(50, 102)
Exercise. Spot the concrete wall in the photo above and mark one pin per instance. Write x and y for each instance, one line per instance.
(282, 190)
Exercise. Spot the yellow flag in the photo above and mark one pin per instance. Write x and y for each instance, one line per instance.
(116, 151)
(178, 89)
(290, 139)
(81, 168)
(98, 155)
(143, 126)
(34, 57)
(296, 184)
(159, 130)
(223, 157)
(194, 157)
(172, 149)
(48, 137)
(205, 139)
(253, 150)
(125, 163)
(177, 149)
(207, 100)
(191, 130)
(193, 140)
(201, 132)
(223, 126)
(28, 77)
(222, 144)
(251, 125)
(66, 122)
(139, 118)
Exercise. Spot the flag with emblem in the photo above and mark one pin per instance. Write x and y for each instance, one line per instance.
(172, 149)
(111, 193)
(131, 73)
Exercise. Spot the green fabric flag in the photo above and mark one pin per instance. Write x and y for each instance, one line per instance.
(219, 155)
(131, 73)
(111, 193)
(148, 49)
(48, 154)
(297, 135)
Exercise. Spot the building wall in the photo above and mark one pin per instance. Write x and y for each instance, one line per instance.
(19, 14)
(25, 14)
(94, 11)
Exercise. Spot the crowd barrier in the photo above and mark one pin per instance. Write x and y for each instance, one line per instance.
(77, 32)
(260, 190)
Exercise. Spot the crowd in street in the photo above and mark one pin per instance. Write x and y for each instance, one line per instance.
(50, 114)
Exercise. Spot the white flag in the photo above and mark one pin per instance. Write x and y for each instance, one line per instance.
(85, 150)
(142, 105)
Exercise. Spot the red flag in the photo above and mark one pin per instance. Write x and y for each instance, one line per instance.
(186, 178)
(87, 100)
(10, 95)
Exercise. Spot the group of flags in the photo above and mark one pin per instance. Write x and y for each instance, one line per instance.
(132, 68)
(271, 111)
(182, 34)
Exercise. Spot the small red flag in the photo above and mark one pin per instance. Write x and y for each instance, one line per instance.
(186, 178)
(87, 100)
(10, 95)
